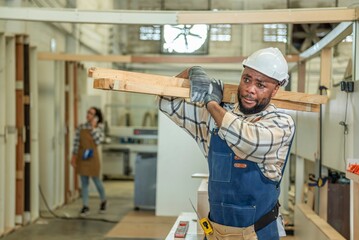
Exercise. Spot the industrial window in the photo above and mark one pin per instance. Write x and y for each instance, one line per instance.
(275, 33)
(221, 32)
(150, 33)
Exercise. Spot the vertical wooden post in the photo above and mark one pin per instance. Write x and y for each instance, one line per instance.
(20, 129)
(326, 67)
(67, 135)
(74, 72)
(301, 76)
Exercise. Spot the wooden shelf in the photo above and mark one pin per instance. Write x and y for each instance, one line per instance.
(352, 176)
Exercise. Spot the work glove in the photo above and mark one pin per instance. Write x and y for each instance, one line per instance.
(200, 83)
(215, 92)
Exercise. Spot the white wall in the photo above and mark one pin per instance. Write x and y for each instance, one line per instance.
(178, 158)
(307, 134)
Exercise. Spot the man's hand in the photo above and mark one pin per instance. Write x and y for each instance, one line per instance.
(215, 92)
(200, 83)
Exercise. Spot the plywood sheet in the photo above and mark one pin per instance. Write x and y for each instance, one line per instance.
(142, 224)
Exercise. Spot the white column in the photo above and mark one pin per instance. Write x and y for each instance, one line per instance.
(34, 121)
(354, 198)
(11, 135)
(285, 185)
(47, 139)
(2, 131)
(299, 179)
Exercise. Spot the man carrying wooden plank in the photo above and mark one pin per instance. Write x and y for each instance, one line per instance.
(247, 145)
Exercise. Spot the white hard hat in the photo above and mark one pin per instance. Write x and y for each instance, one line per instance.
(270, 62)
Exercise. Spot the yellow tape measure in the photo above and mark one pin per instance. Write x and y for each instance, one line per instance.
(204, 222)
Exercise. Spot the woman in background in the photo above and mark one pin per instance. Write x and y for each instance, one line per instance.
(85, 158)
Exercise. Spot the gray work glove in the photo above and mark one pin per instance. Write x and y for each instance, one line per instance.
(215, 92)
(200, 83)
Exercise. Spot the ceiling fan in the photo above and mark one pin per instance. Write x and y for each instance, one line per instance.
(306, 35)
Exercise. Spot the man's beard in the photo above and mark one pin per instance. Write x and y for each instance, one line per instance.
(256, 109)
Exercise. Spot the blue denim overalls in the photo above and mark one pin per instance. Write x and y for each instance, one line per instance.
(239, 193)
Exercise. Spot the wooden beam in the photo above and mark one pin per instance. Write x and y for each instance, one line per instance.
(83, 57)
(78, 16)
(110, 79)
(188, 59)
(147, 58)
(308, 15)
(20, 123)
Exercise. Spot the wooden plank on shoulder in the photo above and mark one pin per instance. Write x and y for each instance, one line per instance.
(118, 80)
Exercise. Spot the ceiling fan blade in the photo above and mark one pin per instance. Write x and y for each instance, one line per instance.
(300, 34)
(315, 39)
(321, 32)
(306, 44)
(305, 27)
(313, 26)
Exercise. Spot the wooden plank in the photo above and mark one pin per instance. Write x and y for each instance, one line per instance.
(308, 225)
(308, 15)
(296, 106)
(165, 85)
(139, 86)
(175, 91)
(179, 87)
(147, 58)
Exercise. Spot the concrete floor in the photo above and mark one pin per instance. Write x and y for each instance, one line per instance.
(69, 225)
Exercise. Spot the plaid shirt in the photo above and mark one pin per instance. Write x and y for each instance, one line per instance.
(263, 138)
(97, 135)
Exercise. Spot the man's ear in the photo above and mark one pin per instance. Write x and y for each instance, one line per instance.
(275, 90)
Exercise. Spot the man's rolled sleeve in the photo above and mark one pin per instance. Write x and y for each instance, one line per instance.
(226, 123)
